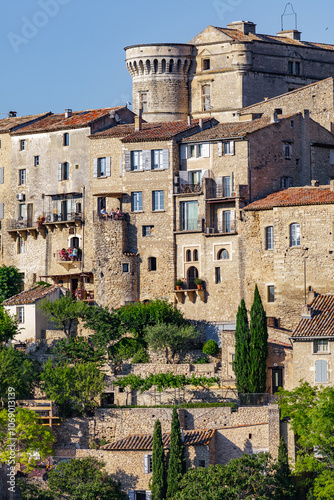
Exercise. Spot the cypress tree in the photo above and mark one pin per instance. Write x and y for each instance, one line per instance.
(158, 488)
(242, 360)
(285, 489)
(176, 466)
(258, 346)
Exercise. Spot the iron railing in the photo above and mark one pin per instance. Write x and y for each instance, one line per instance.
(191, 225)
(98, 217)
(63, 217)
(257, 399)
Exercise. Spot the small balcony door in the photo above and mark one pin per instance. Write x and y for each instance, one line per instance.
(30, 214)
(277, 379)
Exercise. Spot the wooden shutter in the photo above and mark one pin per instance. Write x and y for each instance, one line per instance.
(220, 149)
(1, 175)
(108, 166)
(1, 210)
(131, 494)
(60, 173)
(127, 161)
(148, 495)
(146, 464)
(147, 159)
(220, 222)
(165, 161)
(231, 147)
(184, 152)
(206, 150)
(219, 187)
(95, 168)
(321, 370)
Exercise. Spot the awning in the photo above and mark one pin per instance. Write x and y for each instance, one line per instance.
(109, 195)
(68, 275)
(64, 196)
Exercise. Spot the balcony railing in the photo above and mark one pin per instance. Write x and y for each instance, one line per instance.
(21, 223)
(191, 225)
(98, 217)
(185, 188)
(62, 217)
(69, 255)
(221, 228)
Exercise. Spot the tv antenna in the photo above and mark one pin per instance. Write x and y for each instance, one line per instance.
(287, 13)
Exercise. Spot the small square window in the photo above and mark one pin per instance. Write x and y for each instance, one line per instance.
(148, 231)
(271, 293)
(206, 64)
(20, 314)
(320, 345)
(66, 139)
(125, 268)
(36, 161)
(152, 264)
(22, 177)
(23, 144)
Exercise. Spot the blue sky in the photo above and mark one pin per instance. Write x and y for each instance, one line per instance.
(59, 54)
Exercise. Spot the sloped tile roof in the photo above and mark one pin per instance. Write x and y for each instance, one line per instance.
(145, 441)
(30, 296)
(294, 196)
(164, 131)
(321, 324)
(8, 124)
(78, 119)
(121, 130)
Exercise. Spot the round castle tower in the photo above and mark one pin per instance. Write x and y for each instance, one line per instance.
(160, 80)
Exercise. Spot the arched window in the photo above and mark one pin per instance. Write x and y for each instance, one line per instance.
(148, 66)
(295, 235)
(185, 66)
(171, 65)
(155, 63)
(223, 254)
(192, 274)
(141, 67)
(135, 69)
(179, 63)
(74, 242)
(195, 255)
(163, 66)
(152, 263)
(188, 255)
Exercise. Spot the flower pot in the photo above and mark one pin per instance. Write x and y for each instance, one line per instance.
(178, 287)
(199, 287)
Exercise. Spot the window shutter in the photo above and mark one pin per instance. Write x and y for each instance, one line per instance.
(147, 159)
(219, 187)
(220, 222)
(321, 371)
(1, 175)
(146, 463)
(148, 495)
(220, 149)
(59, 210)
(165, 162)
(206, 150)
(108, 166)
(231, 147)
(95, 168)
(60, 168)
(131, 495)
(183, 174)
(184, 152)
(232, 182)
(1, 210)
(127, 161)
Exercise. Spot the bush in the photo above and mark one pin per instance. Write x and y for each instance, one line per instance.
(198, 281)
(202, 361)
(211, 348)
(141, 356)
(178, 283)
(126, 348)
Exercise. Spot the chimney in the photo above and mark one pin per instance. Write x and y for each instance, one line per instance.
(138, 122)
(315, 183)
(189, 119)
(331, 185)
(306, 312)
(200, 123)
(68, 113)
(265, 98)
(292, 34)
(311, 296)
(247, 27)
(12, 114)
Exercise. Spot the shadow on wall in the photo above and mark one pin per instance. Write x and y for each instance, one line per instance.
(128, 481)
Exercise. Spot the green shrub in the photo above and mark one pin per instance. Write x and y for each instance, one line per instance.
(178, 283)
(211, 348)
(202, 361)
(126, 348)
(198, 281)
(141, 356)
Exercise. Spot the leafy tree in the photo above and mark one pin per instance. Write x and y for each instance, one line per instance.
(324, 486)
(170, 338)
(242, 351)
(211, 348)
(158, 487)
(176, 465)
(258, 346)
(141, 356)
(84, 479)
(10, 282)
(30, 491)
(64, 312)
(18, 371)
(79, 350)
(105, 324)
(124, 349)
(30, 437)
(283, 477)
(73, 387)
(8, 326)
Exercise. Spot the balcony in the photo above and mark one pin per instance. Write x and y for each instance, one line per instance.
(60, 220)
(189, 188)
(191, 225)
(110, 217)
(23, 226)
(69, 258)
(221, 228)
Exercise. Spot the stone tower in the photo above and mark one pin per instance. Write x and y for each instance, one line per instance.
(160, 80)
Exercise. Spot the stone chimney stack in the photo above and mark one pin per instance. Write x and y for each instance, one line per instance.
(68, 113)
(138, 122)
(306, 312)
(247, 27)
(292, 34)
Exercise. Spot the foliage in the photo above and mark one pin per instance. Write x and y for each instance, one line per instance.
(211, 348)
(198, 281)
(242, 351)
(73, 387)
(63, 312)
(29, 434)
(8, 326)
(18, 371)
(258, 346)
(170, 338)
(158, 486)
(124, 349)
(137, 317)
(324, 486)
(178, 283)
(141, 356)
(283, 477)
(176, 464)
(84, 479)
(106, 325)
(30, 491)
(164, 381)
(248, 477)
(78, 350)
(184, 405)
(10, 282)
(202, 361)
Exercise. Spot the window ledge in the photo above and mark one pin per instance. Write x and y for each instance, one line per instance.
(158, 211)
(321, 353)
(137, 212)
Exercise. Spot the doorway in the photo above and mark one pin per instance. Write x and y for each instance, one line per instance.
(192, 274)
(277, 379)
(30, 216)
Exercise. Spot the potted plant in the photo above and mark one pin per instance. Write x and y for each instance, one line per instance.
(199, 283)
(178, 284)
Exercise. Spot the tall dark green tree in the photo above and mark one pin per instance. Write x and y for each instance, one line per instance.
(258, 346)
(242, 353)
(283, 478)
(158, 488)
(176, 466)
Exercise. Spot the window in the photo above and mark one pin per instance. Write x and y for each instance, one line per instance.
(201, 463)
(152, 264)
(147, 464)
(287, 151)
(64, 171)
(321, 370)
(66, 139)
(206, 98)
(195, 178)
(157, 200)
(226, 187)
(196, 151)
(157, 158)
(271, 293)
(22, 177)
(228, 147)
(137, 201)
(223, 254)
(148, 230)
(217, 275)
(226, 221)
(279, 111)
(125, 268)
(101, 167)
(188, 256)
(195, 255)
(192, 151)
(189, 215)
(206, 64)
(23, 144)
(21, 245)
(269, 238)
(295, 235)
(36, 161)
(136, 160)
(20, 314)
(297, 68)
(290, 67)
(294, 68)
(0, 143)
(143, 102)
(286, 182)
(292, 124)
(22, 210)
(320, 345)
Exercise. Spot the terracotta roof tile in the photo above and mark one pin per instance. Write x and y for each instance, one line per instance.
(145, 441)
(321, 324)
(164, 131)
(30, 296)
(294, 196)
(120, 130)
(8, 124)
(59, 122)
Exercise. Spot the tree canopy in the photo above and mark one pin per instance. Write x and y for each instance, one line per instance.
(79, 350)
(242, 352)
(64, 311)
(10, 282)
(107, 325)
(176, 464)
(258, 346)
(158, 487)
(8, 326)
(18, 371)
(170, 338)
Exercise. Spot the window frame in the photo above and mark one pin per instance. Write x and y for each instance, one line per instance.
(152, 264)
(147, 230)
(217, 275)
(159, 165)
(161, 201)
(23, 144)
(317, 343)
(66, 139)
(137, 201)
(221, 254)
(22, 176)
(125, 267)
(36, 161)
(295, 240)
(270, 294)
(206, 64)
(228, 148)
(20, 314)
(287, 151)
(206, 97)
(269, 238)
(100, 162)
(21, 245)
(137, 165)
